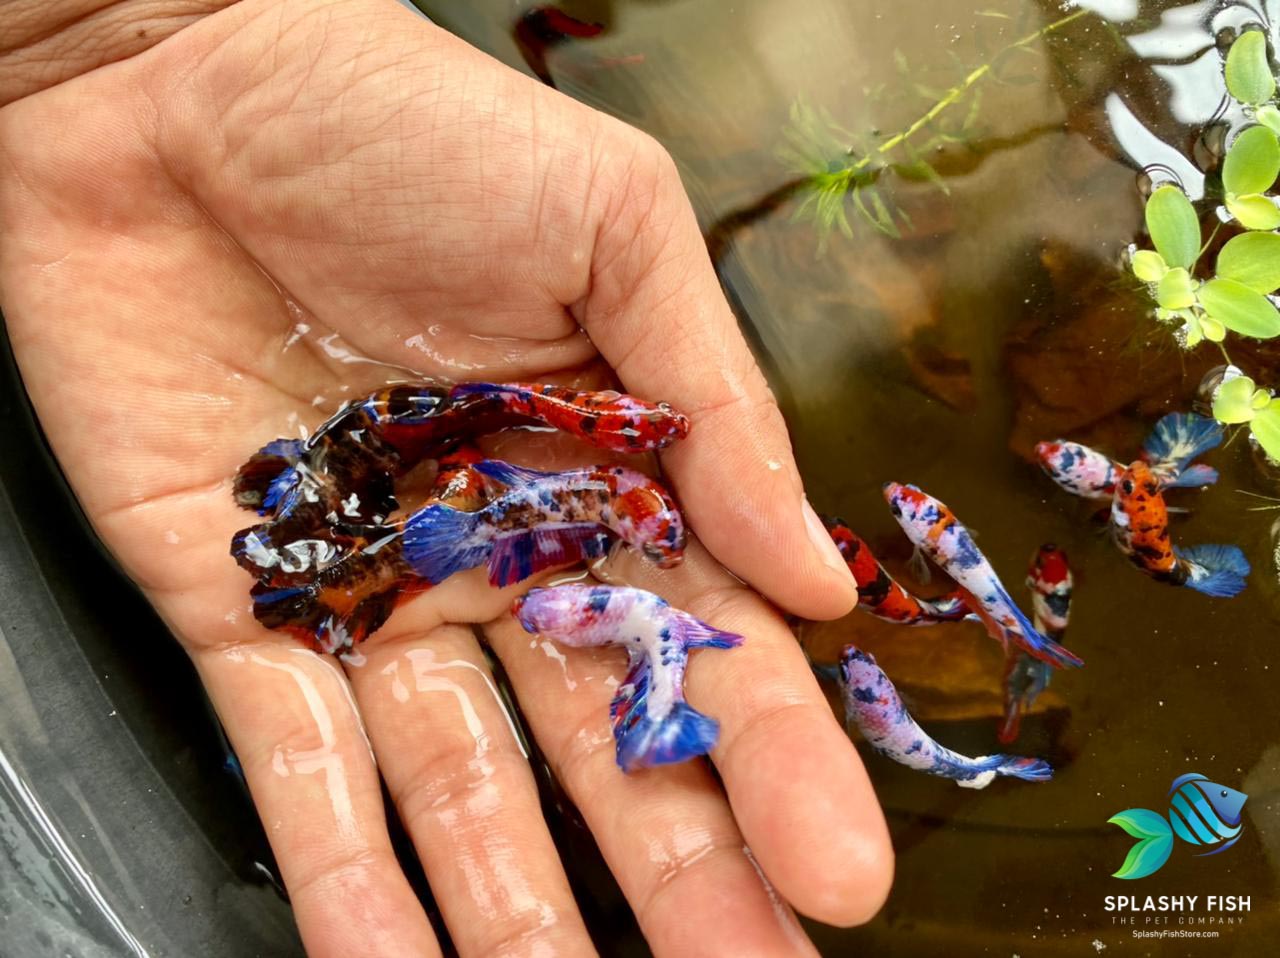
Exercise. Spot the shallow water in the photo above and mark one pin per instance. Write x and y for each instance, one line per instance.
(1000, 317)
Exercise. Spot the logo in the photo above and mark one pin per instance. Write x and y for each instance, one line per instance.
(1201, 812)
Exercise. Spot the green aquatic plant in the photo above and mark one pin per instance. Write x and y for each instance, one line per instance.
(1236, 295)
(841, 169)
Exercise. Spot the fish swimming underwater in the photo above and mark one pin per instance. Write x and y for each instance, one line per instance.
(930, 525)
(1049, 580)
(873, 705)
(1201, 812)
(652, 722)
(347, 469)
(1176, 440)
(1140, 527)
(880, 595)
(544, 519)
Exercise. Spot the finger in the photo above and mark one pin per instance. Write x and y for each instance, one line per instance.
(290, 716)
(666, 833)
(795, 782)
(656, 313)
(458, 775)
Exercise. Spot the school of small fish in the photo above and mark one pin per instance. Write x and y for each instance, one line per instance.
(334, 553)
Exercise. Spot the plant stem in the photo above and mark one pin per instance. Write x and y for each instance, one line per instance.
(954, 95)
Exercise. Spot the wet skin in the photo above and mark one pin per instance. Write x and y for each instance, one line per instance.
(349, 168)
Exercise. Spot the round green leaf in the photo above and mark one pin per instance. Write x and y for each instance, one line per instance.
(1148, 265)
(1254, 211)
(1213, 330)
(1252, 162)
(1174, 226)
(1233, 402)
(1252, 259)
(1240, 308)
(1269, 117)
(1175, 290)
(1248, 73)
(1266, 429)
(1261, 398)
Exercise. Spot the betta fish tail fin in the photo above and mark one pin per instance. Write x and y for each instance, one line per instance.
(440, 540)
(682, 734)
(1012, 724)
(1179, 438)
(1194, 477)
(261, 481)
(301, 611)
(698, 635)
(1037, 644)
(1155, 842)
(1215, 570)
(1027, 769)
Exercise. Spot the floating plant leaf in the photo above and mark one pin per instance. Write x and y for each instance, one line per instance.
(1156, 842)
(1254, 211)
(1248, 73)
(1252, 162)
(1148, 265)
(1213, 330)
(1239, 308)
(1252, 259)
(1266, 429)
(1233, 402)
(1174, 226)
(1176, 290)
(1269, 117)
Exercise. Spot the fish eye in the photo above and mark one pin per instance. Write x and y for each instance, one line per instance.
(1224, 793)
(1127, 487)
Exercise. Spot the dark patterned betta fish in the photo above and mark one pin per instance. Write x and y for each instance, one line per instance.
(1140, 526)
(1176, 440)
(652, 722)
(1201, 812)
(880, 595)
(872, 705)
(545, 519)
(934, 528)
(1025, 677)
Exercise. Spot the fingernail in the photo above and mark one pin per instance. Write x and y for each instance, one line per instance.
(822, 542)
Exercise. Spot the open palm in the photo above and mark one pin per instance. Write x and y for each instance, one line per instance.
(216, 242)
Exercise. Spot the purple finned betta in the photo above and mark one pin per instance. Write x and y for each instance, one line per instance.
(873, 705)
(652, 722)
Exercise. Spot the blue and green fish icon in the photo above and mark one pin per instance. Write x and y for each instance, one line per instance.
(1201, 812)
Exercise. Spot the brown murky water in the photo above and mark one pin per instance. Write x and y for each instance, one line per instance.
(1000, 317)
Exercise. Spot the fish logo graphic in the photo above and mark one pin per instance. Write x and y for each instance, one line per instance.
(1201, 812)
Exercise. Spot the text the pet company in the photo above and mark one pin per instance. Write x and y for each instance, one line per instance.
(1177, 909)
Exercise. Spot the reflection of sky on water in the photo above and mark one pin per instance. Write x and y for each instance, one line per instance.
(1146, 149)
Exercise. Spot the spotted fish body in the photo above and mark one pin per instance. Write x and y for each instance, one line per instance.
(938, 533)
(1201, 813)
(1078, 469)
(652, 722)
(873, 705)
(1049, 580)
(544, 519)
(880, 595)
(1140, 527)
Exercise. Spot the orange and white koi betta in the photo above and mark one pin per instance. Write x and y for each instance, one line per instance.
(1140, 527)
(880, 595)
(934, 528)
(1050, 583)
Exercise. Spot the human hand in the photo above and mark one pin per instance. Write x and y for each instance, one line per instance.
(168, 222)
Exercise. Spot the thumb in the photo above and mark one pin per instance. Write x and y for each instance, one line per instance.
(657, 314)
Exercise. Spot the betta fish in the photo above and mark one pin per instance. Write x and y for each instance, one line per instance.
(1201, 812)
(545, 519)
(652, 722)
(1177, 439)
(1140, 527)
(931, 526)
(872, 704)
(1049, 580)
(880, 595)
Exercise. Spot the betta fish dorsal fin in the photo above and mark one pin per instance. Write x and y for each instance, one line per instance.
(1194, 477)
(1178, 438)
(1154, 845)
(518, 556)
(508, 474)
(698, 635)
(439, 541)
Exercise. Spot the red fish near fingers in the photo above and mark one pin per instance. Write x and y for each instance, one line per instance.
(880, 595)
